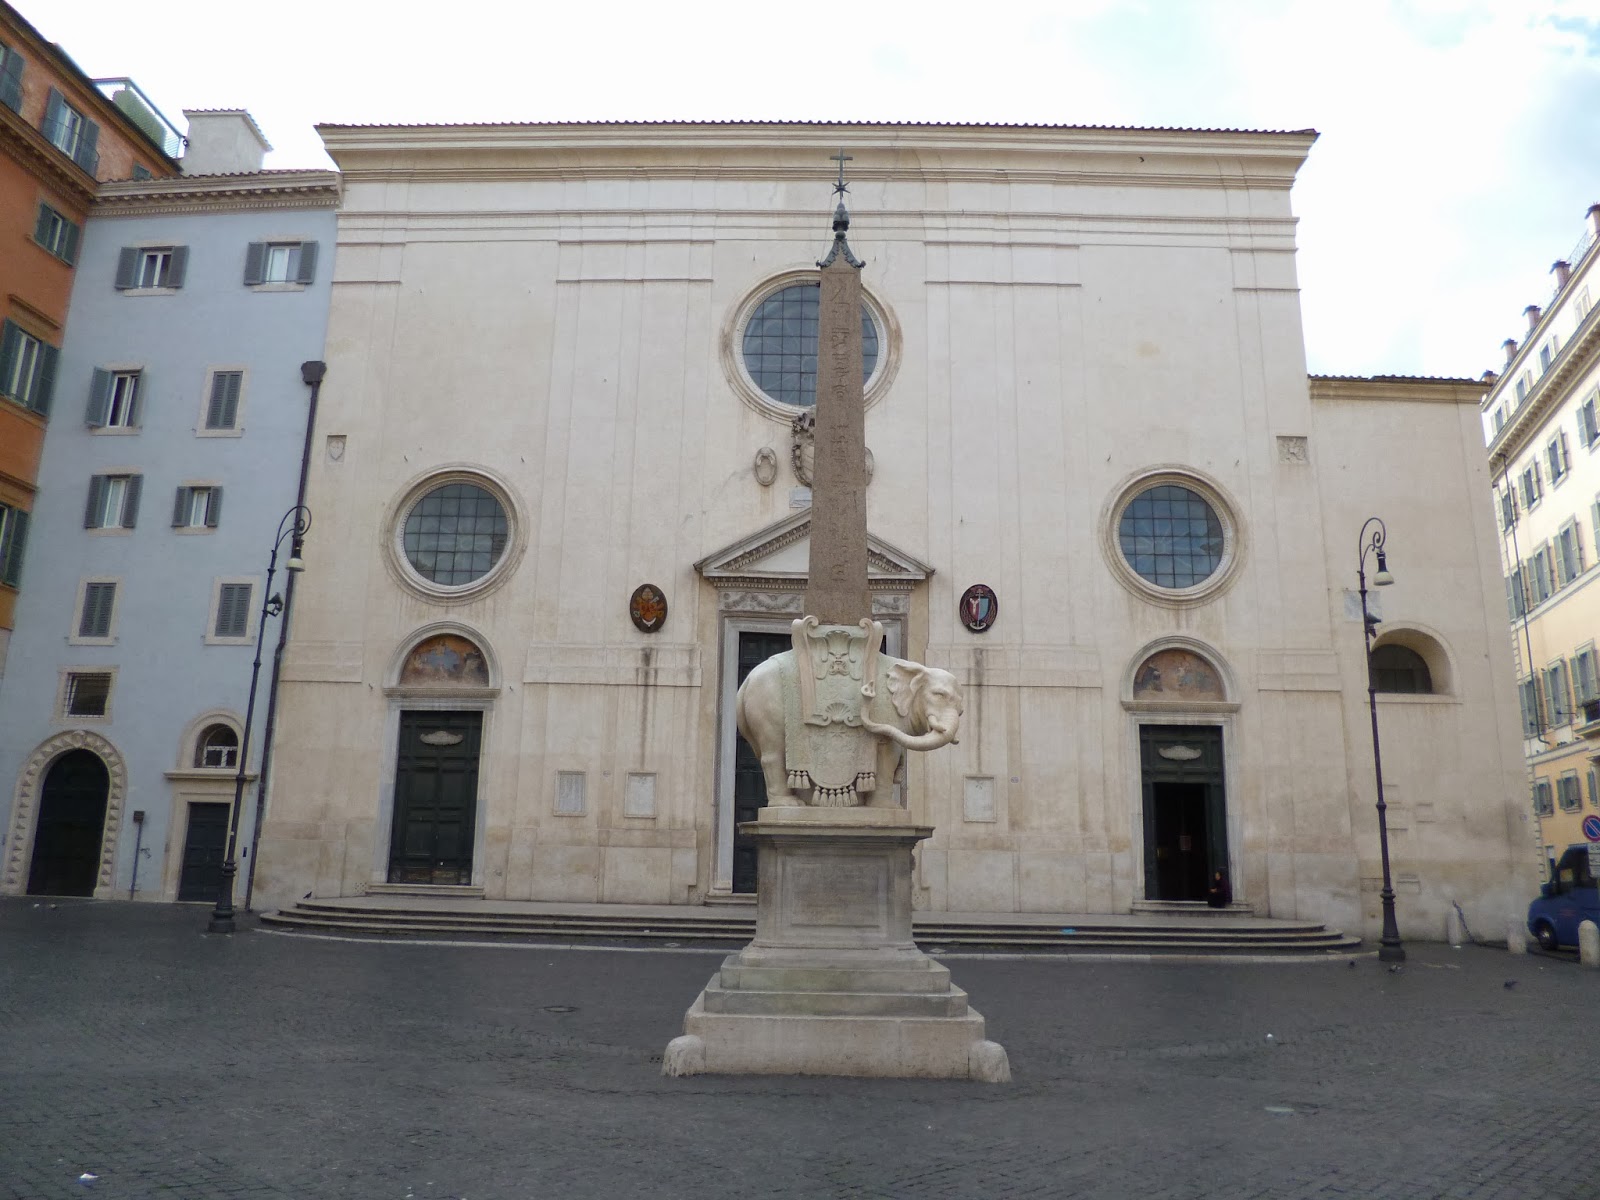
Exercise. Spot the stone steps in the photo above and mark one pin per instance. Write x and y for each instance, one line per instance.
(455, 919)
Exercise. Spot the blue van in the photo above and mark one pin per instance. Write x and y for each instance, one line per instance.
(1569, 898)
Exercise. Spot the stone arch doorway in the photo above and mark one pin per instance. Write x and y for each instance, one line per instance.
(25, 810)
(70, 828)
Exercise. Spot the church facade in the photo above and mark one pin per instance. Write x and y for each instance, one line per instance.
(562, 507)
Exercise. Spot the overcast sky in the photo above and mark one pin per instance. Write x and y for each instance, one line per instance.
(1460, 141)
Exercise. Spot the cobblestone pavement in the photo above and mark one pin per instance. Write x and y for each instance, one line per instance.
(171, 1064)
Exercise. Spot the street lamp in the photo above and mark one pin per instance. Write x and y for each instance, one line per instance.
(294, 524)
(1389, 947)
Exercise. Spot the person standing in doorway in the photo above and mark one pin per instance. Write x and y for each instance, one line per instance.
(1219, 894)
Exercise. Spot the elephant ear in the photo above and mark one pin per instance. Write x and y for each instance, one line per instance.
(905, 681)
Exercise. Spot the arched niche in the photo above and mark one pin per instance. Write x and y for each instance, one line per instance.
(1428, 646)
(25, 809)
(1178, 673)
(444, 657)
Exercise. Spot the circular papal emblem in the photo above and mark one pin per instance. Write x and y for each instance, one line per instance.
(648, 607)
(979, 607)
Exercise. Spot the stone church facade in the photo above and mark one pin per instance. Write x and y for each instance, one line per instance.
(560, 487)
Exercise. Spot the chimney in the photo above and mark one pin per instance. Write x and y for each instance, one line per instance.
(1562, 271)
(1594, 219)
(1511, 350)
(223, 141)
(1490, 378)
(1533, 313)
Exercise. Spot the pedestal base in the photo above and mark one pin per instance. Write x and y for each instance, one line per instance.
(833, 983)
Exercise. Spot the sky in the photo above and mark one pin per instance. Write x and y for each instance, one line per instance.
(1459, 148)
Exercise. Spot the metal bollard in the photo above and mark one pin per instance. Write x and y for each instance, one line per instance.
(1589, 945)
(1517, 936)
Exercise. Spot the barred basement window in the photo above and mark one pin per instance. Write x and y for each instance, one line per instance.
(88, 694)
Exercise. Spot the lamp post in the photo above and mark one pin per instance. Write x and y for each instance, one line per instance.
(1389, 947)
(293, 525)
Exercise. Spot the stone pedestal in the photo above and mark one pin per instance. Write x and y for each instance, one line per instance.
(833, 983)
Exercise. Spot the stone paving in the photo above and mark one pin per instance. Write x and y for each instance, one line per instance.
(170, 1064)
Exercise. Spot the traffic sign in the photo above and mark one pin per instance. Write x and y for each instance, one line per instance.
(1591, 828)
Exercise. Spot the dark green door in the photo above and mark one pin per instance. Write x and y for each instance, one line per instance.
(749, 786)
(435, 797)
(204, 845)
(1185, 817)
(71, 826)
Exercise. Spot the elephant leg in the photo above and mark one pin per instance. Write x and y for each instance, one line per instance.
(777, 778)
(889, 757)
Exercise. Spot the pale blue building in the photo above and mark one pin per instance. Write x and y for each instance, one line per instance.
(174, 449)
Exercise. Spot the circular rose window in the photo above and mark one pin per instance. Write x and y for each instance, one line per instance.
(1171, 536)
(779, 347)
(454, 534)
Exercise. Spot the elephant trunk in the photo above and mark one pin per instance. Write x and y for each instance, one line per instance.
(931, 740)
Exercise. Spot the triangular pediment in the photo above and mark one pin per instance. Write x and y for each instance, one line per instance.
(781, 554)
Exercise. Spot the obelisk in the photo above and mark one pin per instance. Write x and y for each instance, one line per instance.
(836, 590)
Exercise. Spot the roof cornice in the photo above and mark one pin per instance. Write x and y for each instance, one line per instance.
(775, 149)
(1403, 388)
(1549, 391)
(42, 160)
(216, 193)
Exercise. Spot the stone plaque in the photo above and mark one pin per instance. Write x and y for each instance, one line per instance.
(837, 893)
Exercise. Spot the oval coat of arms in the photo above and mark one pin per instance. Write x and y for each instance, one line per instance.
(648, 608)
(979, 607)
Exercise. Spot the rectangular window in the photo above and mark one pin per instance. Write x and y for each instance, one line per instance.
(1541, 576)
(1585, 685)
(1532, 487)
(70, 132)
(1556, 455)
(94, 613)
(1528, 690)
(1542, 801)
(1508, 508)
(1516, 595)
(222, 408)
(1547, 353)
(27, 368)
(87, 694)
(197, 508)
(1499, 418)
(1594, 789)
(571, 793)
(142, 267)
(114, 399)
(113, 502)
(13, 541)
(1588, 430)
(1569, 553)
(280, 262)
(1582, 304)
(10, 78)
(56, 234)
(1569, 791)
(1523, 382)
(233, 611)
(1558, 702)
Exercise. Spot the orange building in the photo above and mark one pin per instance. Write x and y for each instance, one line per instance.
(61, 134)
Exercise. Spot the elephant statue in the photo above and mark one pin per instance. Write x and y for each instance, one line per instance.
(913, 707)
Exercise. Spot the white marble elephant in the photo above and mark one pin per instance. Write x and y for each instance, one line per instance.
(915, 708)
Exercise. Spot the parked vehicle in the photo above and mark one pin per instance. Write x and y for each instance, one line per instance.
(1570, 898)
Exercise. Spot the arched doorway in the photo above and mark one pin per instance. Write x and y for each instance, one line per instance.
(70, 828)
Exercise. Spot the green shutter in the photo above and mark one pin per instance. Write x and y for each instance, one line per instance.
(308, 263)
(222, 411)
(127, 268)
(44, 380)
(214, 508)
(179, 268)
(95, 620)
(100, 385)
(86, 155)
(136, 402)
(54, 107)
(97, 496)
(43, 226)
(130, 503)
(12, 546)
(255, 258)
(69, 247)
(180, 507)
(11, 346)
(10, 79)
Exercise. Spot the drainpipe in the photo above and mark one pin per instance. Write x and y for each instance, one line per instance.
(311, 374)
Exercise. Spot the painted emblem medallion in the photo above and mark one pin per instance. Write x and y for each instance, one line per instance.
(979, 607)
(648, 608)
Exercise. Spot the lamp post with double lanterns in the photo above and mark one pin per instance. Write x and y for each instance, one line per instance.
(293, 526)
(1389, 947)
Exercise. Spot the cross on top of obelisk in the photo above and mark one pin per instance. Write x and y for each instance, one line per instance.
(841, 218)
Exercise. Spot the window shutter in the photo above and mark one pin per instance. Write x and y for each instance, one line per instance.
(97, 496)
(53, 107)
(230, 398)
(87, 156)
(214, 508)
(99, 398)
(11, 79)
(180, 265)
(255, 257)
(43, 225)
(136, 403)
(16, 540)
(233, 610)
(95, 620)
(130, 505)
(127, 268)
(308, 263)
(45, 381)
(180, 508)
(69, 248)
(11, 342)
